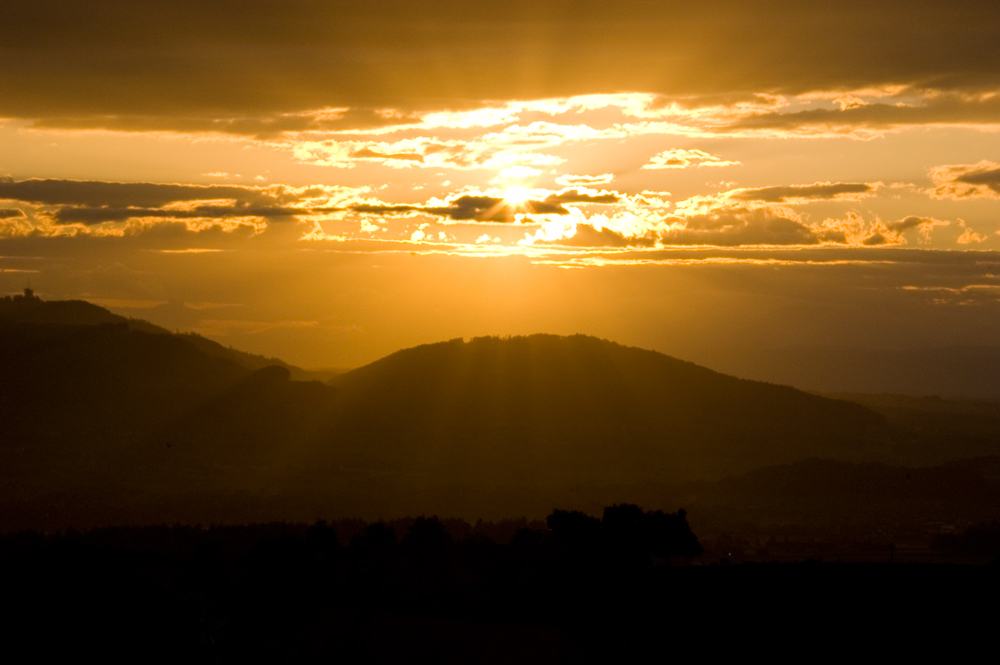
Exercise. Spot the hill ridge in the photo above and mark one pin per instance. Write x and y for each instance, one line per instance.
(29, 308)
(578, 395)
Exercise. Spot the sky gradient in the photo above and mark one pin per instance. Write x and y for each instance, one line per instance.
(328, 182)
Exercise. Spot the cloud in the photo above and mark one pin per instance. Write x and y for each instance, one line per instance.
(876, 239)
(583, 196)
(473, 208)
(819, 191)
(741, 226)
(493, 209)
(680, 158)
(122, 194)
(911, 106)
(262, 60)
(462, 208)
(498, 150)
(924, 225)
(588, 236)
(90, 203)
(263, 126)
(957, 182)
(585, 180)
(98, 215)
(969, 294)
(368, 153)
(968, 236)
(737, 218)
(181, 216)
(10, 214)
(483, 208)
(729, 224)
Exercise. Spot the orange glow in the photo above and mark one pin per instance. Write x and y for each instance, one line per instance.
(516, 197)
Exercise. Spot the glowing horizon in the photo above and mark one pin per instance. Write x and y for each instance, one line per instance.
(391, 178)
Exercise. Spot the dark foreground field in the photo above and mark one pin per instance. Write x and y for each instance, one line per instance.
(574, 590)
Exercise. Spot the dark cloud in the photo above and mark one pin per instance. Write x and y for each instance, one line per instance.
(730, 228)
(966, 181)
(176, 233)
(121, 194)
(472, 208)
(253, 64)
(96, 215)
(939, 108)
(735, 227)
(989, 178)
(8, 214)
(386, 209)
(261, 127)
(587, 236)
(491, 209)
(908, 224)
(95, 202)
(819, 191)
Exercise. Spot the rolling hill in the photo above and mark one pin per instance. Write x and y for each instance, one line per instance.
(579, 409)
(29, 309)
(110, 420)
(89, 399)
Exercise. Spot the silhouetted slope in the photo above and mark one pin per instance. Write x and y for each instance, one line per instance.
(250, 361)
(545, 409)
(102, 424)
(253, 429)
(21, 309)
(74, 395)
(87, 408)
(33, 310)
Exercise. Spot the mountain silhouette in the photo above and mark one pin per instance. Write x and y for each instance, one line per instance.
(112, 420)
(91, 399)
(545, 408)
(29, 309)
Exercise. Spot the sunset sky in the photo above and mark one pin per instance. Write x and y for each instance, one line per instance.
(328, 182)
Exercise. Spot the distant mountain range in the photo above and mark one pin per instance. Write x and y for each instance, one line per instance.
(108, 420)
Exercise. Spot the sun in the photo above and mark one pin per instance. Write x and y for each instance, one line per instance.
(516, 197)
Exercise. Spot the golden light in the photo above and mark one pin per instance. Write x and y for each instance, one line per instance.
(516, 197)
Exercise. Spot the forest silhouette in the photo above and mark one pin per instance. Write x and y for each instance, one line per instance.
(572, 589)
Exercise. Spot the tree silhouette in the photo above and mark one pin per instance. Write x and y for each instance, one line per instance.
(626, 536)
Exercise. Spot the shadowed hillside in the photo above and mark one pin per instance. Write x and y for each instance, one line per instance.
(554, 409)
(111, 423)
(90, 401)
(30, 309)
